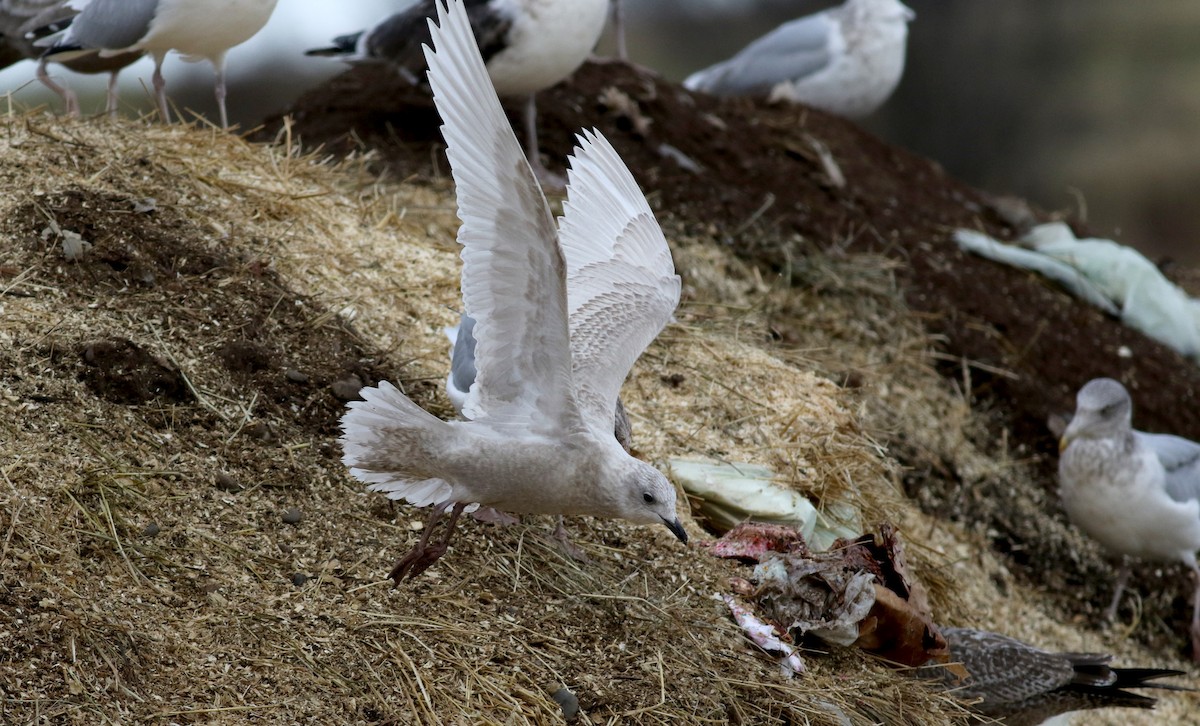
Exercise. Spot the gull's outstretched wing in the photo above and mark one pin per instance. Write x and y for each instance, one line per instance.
(794, 50)
(621, 281)
(1180, 458)
(514, 277)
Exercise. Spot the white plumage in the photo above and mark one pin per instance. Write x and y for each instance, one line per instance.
(527, 46)
(846, 60)
(197, 29)
(1135, 493)
(539, 434)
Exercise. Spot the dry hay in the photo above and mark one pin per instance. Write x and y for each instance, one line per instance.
(169, 396)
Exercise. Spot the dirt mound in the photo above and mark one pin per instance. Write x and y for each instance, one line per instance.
(777, 184)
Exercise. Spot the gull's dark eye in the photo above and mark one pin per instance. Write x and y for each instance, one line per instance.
(647, 497)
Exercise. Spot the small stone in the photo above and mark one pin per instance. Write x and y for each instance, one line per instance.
(227, 483)
(299, 578)
(151, 530)
(568, 702)
(292, 516)
(296, 376)
(347, 389)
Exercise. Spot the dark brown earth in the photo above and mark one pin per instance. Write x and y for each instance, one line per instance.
(752, 174)
(271, 348)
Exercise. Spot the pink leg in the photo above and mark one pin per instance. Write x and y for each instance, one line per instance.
(419, 558)
(568, 547)
(67, 95)
(160, 89)
(618, 21)
(219, 89)
(1122, 578)
(1196, 615)
(113, 99)
(544, 176)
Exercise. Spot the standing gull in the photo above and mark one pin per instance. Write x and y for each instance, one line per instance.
(560, 317)
(197, 29)
(1020, 685)
(846, 60)
(19, 17)
(1137, 494)
(527, 46)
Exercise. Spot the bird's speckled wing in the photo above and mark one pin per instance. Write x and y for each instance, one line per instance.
(1181, 461)
(514, 276)
(621, 282)
(792, 51)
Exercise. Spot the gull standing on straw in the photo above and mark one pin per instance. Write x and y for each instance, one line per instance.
(19, 17)
(560, 317)
(1135, 493)
(845, 61)
(527, 46)
(197, 29)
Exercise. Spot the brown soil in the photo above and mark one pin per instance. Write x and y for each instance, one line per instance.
(751, 174)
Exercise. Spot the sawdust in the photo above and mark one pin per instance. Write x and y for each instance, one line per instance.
(168, 396)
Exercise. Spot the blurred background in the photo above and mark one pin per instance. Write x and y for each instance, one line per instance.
(1091, 106)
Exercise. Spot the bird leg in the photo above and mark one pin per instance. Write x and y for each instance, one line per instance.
(544, 176)
(618, 21)
(1122, 578)
(1196, 615)
(419, 558)
(219, 91)
(568, 547)
(67, 95)
(160, 88)
(113, 100)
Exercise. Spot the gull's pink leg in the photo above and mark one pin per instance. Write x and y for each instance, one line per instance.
(419, 558)
(219, 89)
(160, 89)
(544, 176)
(1196, 615)
(1122, 578)
(113, 99)
(67, 95)
(564, 542)
(618, 21)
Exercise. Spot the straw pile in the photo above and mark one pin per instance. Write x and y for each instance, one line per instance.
(181, 543)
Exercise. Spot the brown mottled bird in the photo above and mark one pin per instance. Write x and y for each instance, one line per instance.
(1020, 685)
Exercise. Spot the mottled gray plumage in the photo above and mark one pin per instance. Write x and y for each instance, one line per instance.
(462, 375)
(845, 60)
(1137, 494)
(1020, 685)
(561, 314)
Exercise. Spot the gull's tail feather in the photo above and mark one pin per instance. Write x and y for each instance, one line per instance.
(343, 45)
(384, 440)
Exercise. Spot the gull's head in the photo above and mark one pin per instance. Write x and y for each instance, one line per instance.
(647, 497)
(1102, 410)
